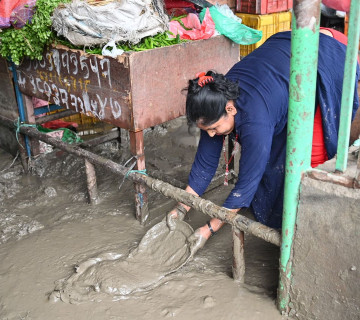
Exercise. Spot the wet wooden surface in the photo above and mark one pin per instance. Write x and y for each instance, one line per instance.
(8, 105)
(135, 91)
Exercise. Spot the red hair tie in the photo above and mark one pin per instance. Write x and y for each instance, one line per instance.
(203, 79)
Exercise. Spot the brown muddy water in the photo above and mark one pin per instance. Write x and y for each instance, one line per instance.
(47, 229)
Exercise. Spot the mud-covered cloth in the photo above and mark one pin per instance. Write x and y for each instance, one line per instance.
(261, 123)
(126, 20)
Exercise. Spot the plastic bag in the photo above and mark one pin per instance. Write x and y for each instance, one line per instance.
(205, 30)
(111, 50)
(15, 13)
(230, 26)
(67, 135)
(126, 20)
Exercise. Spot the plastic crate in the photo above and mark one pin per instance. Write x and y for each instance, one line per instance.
(269, 24)
(87, 125)
(263, 6)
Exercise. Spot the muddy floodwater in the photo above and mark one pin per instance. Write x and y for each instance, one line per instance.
(48, 230)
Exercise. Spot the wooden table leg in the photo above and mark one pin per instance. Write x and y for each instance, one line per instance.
(238, 267)
(30, 118)
(22, 152)
(141, 197)
(91, 182)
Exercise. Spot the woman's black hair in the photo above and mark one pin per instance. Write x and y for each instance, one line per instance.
(207, 104)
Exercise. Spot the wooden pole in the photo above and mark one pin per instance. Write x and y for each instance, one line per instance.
(101, 139)
(324, 176)
(30, 118)
(23, 154)
(238, 267)
(55, 116)
(91, 182)
(141, 196)
(205, 206)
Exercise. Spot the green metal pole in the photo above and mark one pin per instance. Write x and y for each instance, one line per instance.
(302, 89)
(347, 98)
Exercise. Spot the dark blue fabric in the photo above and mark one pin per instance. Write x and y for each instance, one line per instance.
(263, 78)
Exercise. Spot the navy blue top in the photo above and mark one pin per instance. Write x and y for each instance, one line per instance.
(261, 120)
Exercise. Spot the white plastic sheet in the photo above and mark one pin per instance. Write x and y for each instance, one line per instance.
(125, 20)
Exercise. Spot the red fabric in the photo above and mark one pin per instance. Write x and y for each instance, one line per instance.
(318, 153)
(339, 36)
(341, 5)
(170, 4)
(56, 124)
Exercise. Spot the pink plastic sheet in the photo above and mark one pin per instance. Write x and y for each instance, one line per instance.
(15, 12)
(204, 30)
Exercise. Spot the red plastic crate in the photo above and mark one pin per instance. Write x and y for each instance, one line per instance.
(263, 6)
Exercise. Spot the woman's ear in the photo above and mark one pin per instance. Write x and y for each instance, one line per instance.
(230, 108)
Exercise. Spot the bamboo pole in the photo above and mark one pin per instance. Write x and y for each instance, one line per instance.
(205, 206)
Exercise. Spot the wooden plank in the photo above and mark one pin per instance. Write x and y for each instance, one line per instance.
(8, 105)
(135, 91)
(91, 84)
(156, 94)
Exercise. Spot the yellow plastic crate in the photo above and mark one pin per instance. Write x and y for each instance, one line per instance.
(269, 24)
(87, 125)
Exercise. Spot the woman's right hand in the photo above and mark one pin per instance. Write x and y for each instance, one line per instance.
(178, 213)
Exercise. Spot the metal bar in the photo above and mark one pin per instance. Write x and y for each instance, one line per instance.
(20, 106)
(55, 116)
(205, 206)
(347, 97)
(91, 182)
(238, 267)
(302, 89)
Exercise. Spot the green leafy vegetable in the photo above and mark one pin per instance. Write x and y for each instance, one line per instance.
(30, 40)
(157, 41)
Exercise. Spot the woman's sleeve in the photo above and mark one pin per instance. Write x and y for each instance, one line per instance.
(256, 141)
(206, 162)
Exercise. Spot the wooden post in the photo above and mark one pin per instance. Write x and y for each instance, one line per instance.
(22, 153)
(238, 267)
(141, 197)
(30, 119)
(91, 182)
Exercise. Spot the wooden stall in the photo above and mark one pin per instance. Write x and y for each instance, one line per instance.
(134, 91)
